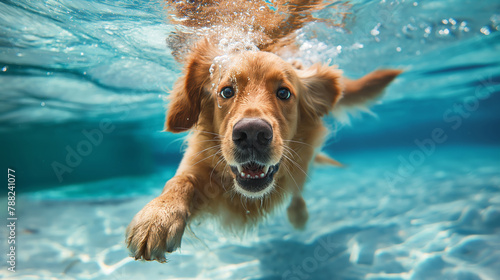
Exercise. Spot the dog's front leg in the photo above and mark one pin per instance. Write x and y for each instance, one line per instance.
(158, 228)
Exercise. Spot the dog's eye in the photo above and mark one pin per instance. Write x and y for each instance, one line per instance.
(283, 93)
(227, 92)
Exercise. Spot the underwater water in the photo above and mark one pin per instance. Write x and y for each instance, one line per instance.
(82, 89)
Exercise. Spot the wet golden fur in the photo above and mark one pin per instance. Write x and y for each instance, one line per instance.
(270, 27)
(204, 183)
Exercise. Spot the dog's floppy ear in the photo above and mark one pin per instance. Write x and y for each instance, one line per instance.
(322, 88)
(367, 88)
(186, 97)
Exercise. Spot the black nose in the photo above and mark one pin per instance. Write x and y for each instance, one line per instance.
(252, 133)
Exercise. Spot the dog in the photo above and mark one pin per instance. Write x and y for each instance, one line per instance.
(255, 120)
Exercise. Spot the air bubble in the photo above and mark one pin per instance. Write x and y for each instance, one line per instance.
(485, 30)
(357, 46)
(444, 32)
(495, 22)
(375, 31)
(463, 26)
(218, 104)
(211, 70)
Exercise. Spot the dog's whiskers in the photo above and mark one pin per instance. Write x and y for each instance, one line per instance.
(291, 176)
(203, 159)
(202, 131)
(213, 169)
(299, 142)
(290, 150)
(208, 140)
(294, 163)
(204, 150)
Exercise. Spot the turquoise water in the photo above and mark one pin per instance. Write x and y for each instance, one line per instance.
(82, 88)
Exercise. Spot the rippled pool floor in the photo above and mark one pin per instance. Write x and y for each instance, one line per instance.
(440, 221)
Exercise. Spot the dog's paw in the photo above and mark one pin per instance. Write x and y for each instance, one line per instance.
(297, 212)
(156, 230)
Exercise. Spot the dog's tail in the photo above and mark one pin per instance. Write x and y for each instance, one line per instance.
(269, 25)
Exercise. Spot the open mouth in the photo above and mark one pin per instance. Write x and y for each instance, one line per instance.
(254, 177)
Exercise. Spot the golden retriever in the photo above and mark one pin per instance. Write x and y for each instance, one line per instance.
(255, 120)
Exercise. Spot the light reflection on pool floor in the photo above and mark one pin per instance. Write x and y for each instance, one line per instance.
(442, 222)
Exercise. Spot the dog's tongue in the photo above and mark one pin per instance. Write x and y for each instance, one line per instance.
(253, 169)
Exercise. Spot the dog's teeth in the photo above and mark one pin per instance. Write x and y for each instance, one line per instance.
(242, 174)
(248, 176)
(262, 175)
(266, 168)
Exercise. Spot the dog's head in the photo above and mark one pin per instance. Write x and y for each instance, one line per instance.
(257, 103)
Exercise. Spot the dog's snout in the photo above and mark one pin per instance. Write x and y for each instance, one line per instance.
(252, 133)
